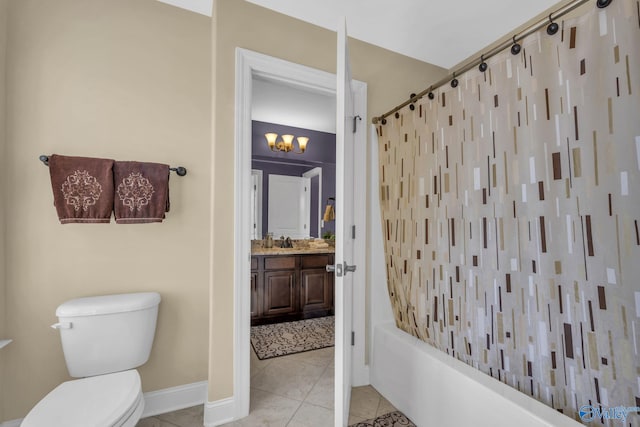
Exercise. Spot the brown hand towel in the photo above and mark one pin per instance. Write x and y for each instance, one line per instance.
(82, 188)
(141, 192)
(329, 213)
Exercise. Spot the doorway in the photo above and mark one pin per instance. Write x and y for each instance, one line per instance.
(248, 66)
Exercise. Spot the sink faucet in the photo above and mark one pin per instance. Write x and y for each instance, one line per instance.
(286, 243)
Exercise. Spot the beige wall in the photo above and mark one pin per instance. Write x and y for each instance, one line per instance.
(518, 30)
(3, 39)
(390, 78)
(123, 79)
(131, 81)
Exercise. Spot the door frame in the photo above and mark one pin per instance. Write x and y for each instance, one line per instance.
(248, 65)
(258, 204)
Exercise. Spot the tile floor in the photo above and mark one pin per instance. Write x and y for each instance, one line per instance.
(289, 391)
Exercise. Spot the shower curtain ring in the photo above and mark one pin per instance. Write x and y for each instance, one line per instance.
(483, 65)
(431, 95)
(411, 97)
(552, 28)
(603, 3)
(454, 82)
(515, 48)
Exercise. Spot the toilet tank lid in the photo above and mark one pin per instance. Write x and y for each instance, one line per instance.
(108, 304)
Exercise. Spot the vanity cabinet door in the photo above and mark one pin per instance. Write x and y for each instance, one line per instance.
(255, 297)
(279, 294)
(315, 290)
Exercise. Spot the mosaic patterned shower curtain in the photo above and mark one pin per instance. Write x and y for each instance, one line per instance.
(511, 210)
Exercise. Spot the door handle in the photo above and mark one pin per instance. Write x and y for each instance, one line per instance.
(334, 269)
(349, 268)
(339, 268)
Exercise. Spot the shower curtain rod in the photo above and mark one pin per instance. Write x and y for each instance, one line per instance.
(505, 44)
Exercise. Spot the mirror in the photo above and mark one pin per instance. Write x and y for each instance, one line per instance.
(290, 190)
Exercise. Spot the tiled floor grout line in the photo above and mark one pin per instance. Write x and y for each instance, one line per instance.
(307, 395)
(310, 390)
(168, 422)
(378, 406)
(316, 383)
(294, 414)
(279, 395)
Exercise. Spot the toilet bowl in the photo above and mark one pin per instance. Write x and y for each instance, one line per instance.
(110, 400)
(104, 339)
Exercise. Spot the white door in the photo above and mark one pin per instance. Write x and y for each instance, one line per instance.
(315, 180)
(289, 205)
(344, 223)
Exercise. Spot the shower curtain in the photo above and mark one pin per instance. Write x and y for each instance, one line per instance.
(510, 210)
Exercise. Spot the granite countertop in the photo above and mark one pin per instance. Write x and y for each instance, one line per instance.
(291, 251)
(300, 247)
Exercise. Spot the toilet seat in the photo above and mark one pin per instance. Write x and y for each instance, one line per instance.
(111, 400)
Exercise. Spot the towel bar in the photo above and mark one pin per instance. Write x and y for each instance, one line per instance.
(180, 171)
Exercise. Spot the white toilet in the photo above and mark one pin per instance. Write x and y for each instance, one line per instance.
(104, 339)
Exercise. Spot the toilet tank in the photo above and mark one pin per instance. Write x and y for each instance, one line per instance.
(106, 334)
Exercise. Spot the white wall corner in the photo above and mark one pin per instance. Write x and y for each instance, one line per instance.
(360, 375)
(219, 412)
(174, 398)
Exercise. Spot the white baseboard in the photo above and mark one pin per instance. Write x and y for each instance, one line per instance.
(174, 398)
(219, 412)
(161, 401)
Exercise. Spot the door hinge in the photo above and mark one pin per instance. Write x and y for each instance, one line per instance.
(353, 231)
(353, 338)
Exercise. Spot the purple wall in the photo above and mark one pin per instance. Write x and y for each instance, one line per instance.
(321, 152)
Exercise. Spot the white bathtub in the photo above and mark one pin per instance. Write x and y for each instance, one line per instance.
(434, 389)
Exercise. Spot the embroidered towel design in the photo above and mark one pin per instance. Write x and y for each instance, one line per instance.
(142, 194)
(135, 191)
(82, 188)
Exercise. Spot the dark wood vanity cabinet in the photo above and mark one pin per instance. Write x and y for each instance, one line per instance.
(316, 285)
(254, 295)
(279, 295)
(256, 285)
(290, 287)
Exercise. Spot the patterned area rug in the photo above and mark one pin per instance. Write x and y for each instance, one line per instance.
(392, 419)
(280, 339)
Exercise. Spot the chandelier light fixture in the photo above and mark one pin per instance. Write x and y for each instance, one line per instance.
(286, 144)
